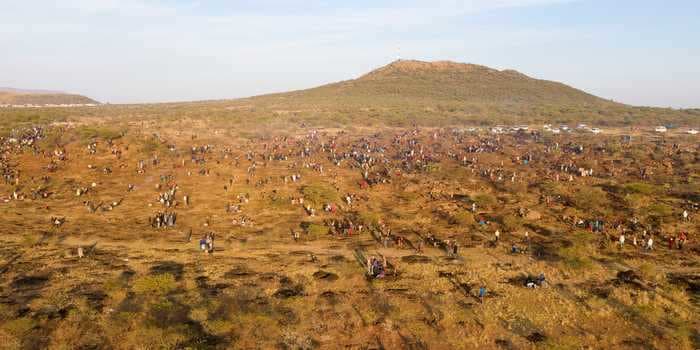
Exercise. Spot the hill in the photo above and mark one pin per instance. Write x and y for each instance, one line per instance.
(11, 96)
(447, 92)
(466, 83)
(402, 93)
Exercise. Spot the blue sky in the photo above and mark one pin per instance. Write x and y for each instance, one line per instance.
(638, 52)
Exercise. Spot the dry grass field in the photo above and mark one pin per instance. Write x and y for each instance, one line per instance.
(299, 189)
(140, 287)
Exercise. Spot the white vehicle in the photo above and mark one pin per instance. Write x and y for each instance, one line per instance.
(564, 127)
(660, 129)
(692, 132)
(556, 131)
(596, 131)
(582, 126)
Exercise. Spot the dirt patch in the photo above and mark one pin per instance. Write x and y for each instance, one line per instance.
(30, 282)
(505, 344)
(690, 280)
(536, 337)
(209, 290)
(238, 271)
(325, 276)
(337, 259)
(631, 278)
(289, 291)
(416, 259)
(94, 296)
(171, 267)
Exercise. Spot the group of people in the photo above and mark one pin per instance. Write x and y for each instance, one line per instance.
(163, 219)
(206, 243)
(376, 268)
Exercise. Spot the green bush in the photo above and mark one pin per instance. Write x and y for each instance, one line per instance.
(320, 193)
(155, 284)
(99, 132)
(659, 210)
(590, 198)
(639, 187)
(485, 200)
(510, 222)
(462, 218)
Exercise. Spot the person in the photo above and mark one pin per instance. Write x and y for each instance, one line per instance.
(203, 244)
(682, 237)
(210, 243)
(541, 279)
(497, 234)
(514, 249)
(375, 268)
(650, 243)
(482, 293)
(622, 240)
(685, 215)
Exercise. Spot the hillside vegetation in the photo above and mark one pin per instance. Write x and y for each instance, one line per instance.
(14, 98)
(400, 94)
(444, 92)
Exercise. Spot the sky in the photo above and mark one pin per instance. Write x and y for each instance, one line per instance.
(641, 52)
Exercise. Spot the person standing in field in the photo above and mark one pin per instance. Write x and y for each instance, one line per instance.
(622, 240)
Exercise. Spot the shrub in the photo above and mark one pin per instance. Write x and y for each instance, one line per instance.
(462, 218)
(485, 200)
(155, 284)
(639, 187)
(591, 198)
(106, 133)
(659, 210)
(319, 193)
(370, 218)
(510, 222)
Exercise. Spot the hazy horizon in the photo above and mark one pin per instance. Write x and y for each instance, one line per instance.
(136, 51)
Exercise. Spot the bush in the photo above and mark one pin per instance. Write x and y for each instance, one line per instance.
(156, 284)
(577, 256)
(639, 187)
(105, 133)
(659, 210)
(485, 200)
(369, 218)
(591, 198)
(510, 222)
(462, 218)
(319, 193)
